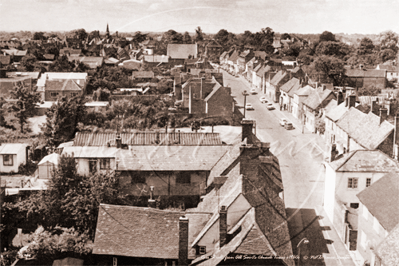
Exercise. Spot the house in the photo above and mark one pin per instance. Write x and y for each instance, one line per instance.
(259, 76)
(177, 53)
(242, 59)
(143, 76)
(7, 84)
(312, 106)
(58, 88)
(378, 216)
(156, 60)
(91, 62)
(362, 78)
(97, 106)
(80, 79)
(287, 91)
(111, 61)
(232, 66)
(5, 60)
(273, 85)
(276, 44)
(299, 96)
(16, 55)
(213, 50)
(392, 71)
(225, 56)
(345, 178)
(12, 155)
(47, 165)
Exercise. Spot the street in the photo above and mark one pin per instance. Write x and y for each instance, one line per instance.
(301, 157)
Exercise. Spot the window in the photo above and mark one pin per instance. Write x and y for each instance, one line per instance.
(73, 94)
(368, 182)
(53, 94)
(93, 166)
(8, 160)
(354, 205)
(352, 182)
(201, 250)
(183, 178)
(105, 164)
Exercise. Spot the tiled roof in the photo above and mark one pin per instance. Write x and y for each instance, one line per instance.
(111, 60)
(137, 232)
(336, 113)
(49, 56)
(245, 53)
(60, 76)
(367, 73)
(381, 199)
(316, 98)
(143, 74)
(62, 85)
(365, 129)
(169, 158)
(263, 70)
(278, 77)
(182, 51)
(131, 64)
(388, 249)
(365, 161)
(149, 138)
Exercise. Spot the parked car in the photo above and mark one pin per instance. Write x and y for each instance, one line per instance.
(253, 91)
(263, 99)
(249, 106)
(283, 121)
(288, 125)
(270, 106)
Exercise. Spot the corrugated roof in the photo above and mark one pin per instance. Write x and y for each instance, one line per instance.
(149, 138)
(365, 129)
(181, 51)
(381, 199)
(365, 161)
(169, 158)
(12, 148)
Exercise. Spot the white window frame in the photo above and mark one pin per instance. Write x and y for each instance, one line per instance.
(9, 162)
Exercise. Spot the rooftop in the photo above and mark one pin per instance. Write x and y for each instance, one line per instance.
(388, 249)
(316, 98)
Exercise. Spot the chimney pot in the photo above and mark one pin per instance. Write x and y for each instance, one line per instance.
(247, 126)
(118, 141)
(222, 226)
(183, 241)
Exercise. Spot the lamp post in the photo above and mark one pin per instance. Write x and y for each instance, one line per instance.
(303, 241)
(245, 100)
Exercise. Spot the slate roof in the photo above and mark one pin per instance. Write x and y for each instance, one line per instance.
(290, 86)
(305, 91)
(143, 74)
(381, 199)
(365, 161)
(365, 129)
(169, 158)
(263, 70)
(336, 113)
(149, 138)
(278, 77)
(62, 85)
(388, 249)
(316, 98)
(137, 232)
(367, 73)
(182, 51)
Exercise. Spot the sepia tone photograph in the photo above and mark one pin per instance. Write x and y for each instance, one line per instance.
(199, 132)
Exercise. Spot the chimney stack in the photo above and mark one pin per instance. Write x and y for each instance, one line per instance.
(375, 107)
(340, 97)
(151, 200)
(351, 100)
(333, 152)
(383, 115)
(222, 226)
(183, 241)
(247, 126)
(118, 141)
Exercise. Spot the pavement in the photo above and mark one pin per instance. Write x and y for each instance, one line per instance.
(301, 157)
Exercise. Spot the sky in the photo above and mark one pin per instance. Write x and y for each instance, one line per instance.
(292, 16)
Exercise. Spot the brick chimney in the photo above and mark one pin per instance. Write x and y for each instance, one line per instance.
(333, 152)
(383, 115)
(118, 141)
(340, 97)
(183, 241)
(151, 200)
(375, 107)
(247, 126)
(351, 101)
(222, 226)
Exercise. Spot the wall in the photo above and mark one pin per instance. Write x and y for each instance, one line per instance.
(68, 94)
(9, 169)
(220, 104)
(329, 191)
(83, 165)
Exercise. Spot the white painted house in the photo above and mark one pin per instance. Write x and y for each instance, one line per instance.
(12, 155)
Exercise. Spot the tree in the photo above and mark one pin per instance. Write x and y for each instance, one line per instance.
(172, 36)
(139, 37)
(369, 91)
(94, 34)
(80, 34)
(199, 35)
(330, 69)
(25, 104)
(61, 64)
(389, 40)
(39, 36)
(101, 95)
(331, 48)
(285, 36)
(187, 38)
(366, 46)
(387, 54)
(28, 62)
(62, 119)
(327, 36)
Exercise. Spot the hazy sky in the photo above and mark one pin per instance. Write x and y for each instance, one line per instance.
(293, 16)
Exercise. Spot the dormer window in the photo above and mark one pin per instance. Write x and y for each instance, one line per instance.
(201, 250)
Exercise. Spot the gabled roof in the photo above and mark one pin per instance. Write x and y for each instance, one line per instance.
(143, 74)
(245, 53)
(381, 199)
(336, 113)
(288, 86)
(90, 61)
(51, 158)
(62, 85)
(182, 51)
(388, 249)
(216, 87)
(49, 56)
(111, 61)
(365, 161)
(149, 138)
(137, 232)
(234, 56)
(169, 158)
(365, 129)
(213, 43)
(366, 73)
(263, 70)
(305, 91)
(278, 77)
(12, 148)
(60, 76)
(317, 97)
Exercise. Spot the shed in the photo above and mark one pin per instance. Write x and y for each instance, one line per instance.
(47, 165)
